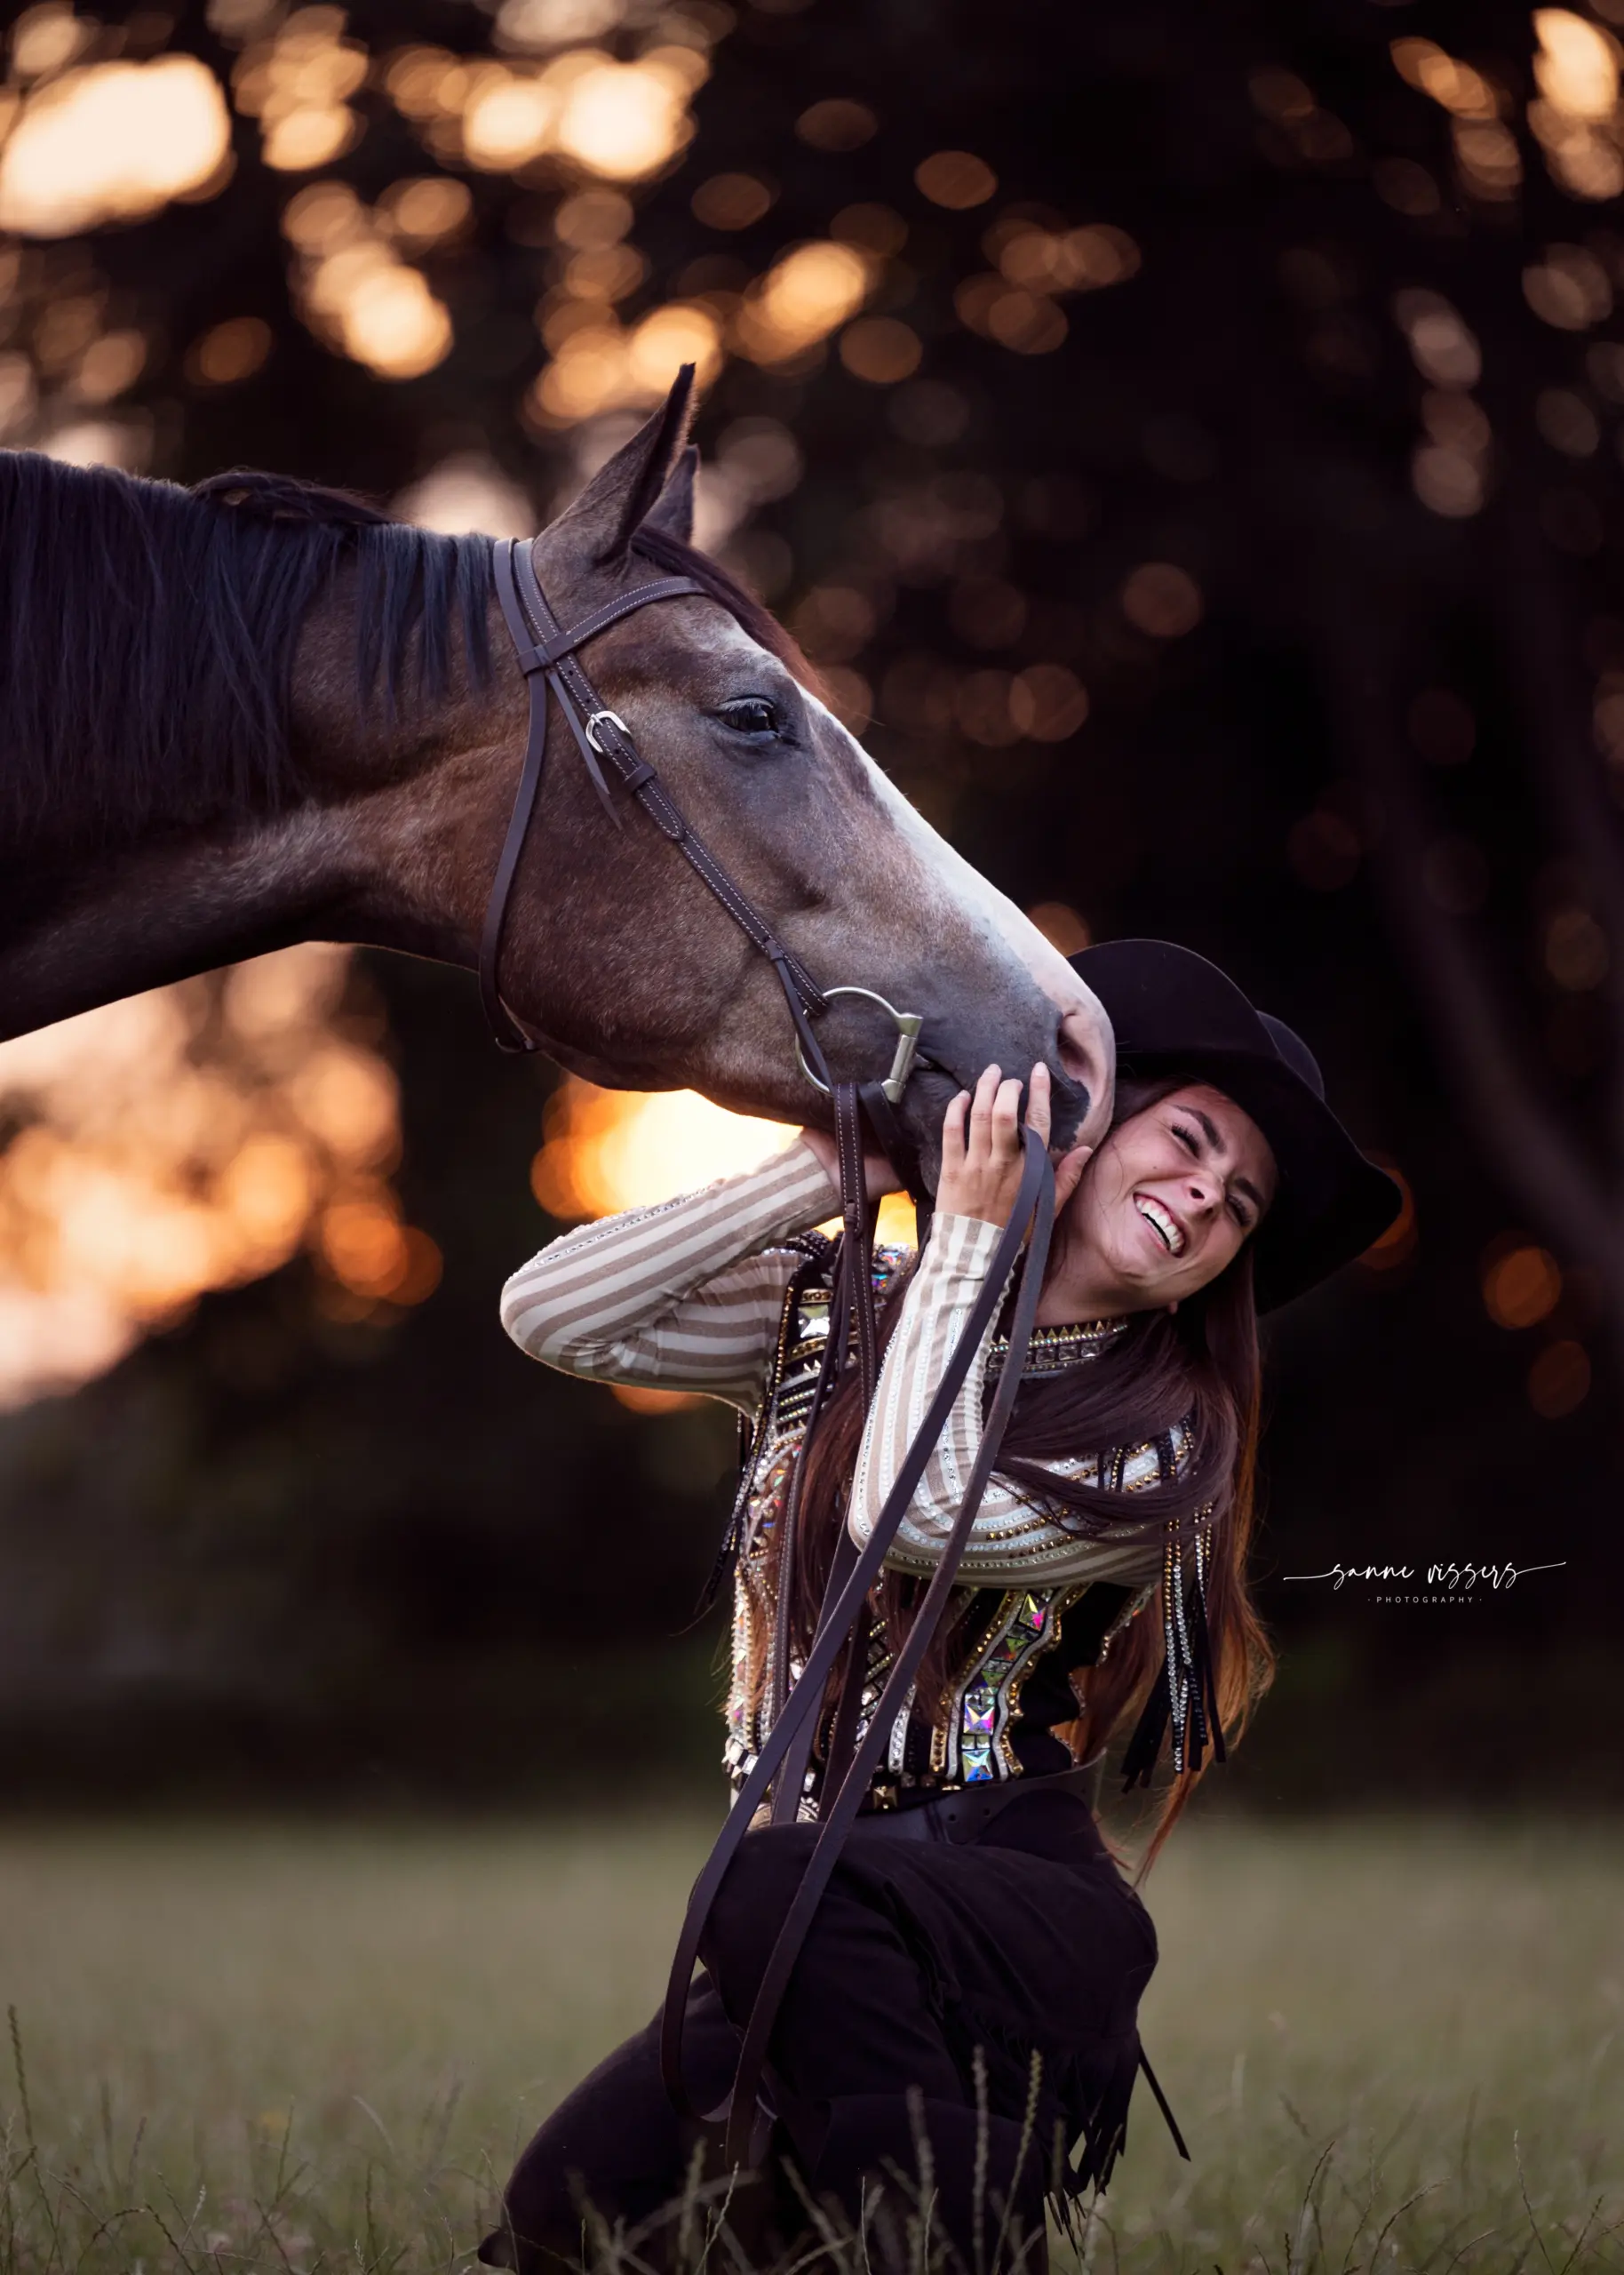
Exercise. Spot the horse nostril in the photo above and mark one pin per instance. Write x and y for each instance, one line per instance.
(1075, 1047)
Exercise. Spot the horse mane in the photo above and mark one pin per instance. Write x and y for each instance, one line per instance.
(148, 637)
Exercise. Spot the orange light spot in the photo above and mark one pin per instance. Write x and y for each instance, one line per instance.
(880, 350)
(956, 179)
(232, 351)
(1061, 927)
(1397, 1245)
(837, 125)
(1559, 1380)
(642, 1399)
(609, 1150)
(730, 200)
(1163, 600)
(1521, 1285)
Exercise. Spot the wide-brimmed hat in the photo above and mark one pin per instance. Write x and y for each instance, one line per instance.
(1175, 1012)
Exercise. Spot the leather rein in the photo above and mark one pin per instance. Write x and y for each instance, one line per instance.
(548, 655)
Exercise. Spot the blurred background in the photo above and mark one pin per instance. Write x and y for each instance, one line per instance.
(1188, 441)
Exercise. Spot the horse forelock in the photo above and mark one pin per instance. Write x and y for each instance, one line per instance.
(148, 637)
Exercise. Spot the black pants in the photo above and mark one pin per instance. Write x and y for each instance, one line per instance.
(926, 1965)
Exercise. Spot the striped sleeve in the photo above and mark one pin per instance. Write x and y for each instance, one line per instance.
(685, 1296)
(1015, 1540)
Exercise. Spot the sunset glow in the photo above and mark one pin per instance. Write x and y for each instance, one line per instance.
(192, 1138)
(604, 1151)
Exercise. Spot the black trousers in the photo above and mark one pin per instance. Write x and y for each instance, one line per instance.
(985, 1997)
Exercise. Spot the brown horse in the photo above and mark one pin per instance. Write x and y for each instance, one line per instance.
(258, 713)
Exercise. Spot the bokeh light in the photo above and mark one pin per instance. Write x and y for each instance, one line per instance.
(467, 491)
(1576, 955)
(626, 120)
(608, 1150)
(1456, 85)
(1568, 287)
(1162, 599)
(509, 120)
(599, 365)
(604, 1151)
(837, 125)
(1577, 67)
(111, 142)
(731, 201)
(354, 290)
(1522, 1283)
(426, 209)
(188, 1139)
(1061, 926)
(881, 350)
(229, 352)
(1559, 1379)
(804, 297)
(955, 179)
(1576, 117)
(47, 37)
(1397, 1245)
(295, 85)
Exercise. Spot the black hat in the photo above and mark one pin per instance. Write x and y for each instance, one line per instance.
(1176, 1012)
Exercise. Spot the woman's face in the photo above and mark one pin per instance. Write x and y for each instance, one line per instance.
(1165, 1204)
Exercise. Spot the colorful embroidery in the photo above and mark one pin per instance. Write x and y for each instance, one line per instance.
(967, 1736)
(1023, 1628)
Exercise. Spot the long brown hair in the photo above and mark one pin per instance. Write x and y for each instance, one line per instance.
(1198, 1367)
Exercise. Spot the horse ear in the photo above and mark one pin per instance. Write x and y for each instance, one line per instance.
(621, 495)
(672, 510)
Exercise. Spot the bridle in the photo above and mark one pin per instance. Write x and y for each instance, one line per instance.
(549, 658)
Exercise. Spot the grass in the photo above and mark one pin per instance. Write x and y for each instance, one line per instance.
(293, 2048)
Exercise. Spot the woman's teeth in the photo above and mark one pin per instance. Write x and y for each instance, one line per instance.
(1160, 1223)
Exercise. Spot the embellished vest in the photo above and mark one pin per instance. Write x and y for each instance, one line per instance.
(972, 1735)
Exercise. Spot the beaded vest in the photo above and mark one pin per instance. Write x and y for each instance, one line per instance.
(966, 1739)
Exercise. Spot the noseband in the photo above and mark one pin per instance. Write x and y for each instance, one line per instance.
(548, 656)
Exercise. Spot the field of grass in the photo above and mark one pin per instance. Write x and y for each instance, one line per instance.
(1391, 2046)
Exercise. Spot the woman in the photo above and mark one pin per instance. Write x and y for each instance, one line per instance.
(971, 1982)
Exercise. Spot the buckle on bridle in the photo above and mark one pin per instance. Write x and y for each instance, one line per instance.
(907, 1024)
(616, 721)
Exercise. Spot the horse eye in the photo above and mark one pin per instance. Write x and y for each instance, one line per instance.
(752, 714)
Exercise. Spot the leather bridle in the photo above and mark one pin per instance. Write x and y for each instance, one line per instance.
(549, 658)
(548, 655)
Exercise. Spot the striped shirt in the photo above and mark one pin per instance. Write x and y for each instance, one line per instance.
(689, 1295)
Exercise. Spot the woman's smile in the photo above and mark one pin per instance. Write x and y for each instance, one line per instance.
(1162, 1208)
(1166, 1229)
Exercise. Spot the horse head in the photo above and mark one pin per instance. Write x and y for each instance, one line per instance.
(261, 712)
(614, 953)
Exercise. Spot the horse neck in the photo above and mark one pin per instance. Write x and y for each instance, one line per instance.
(81, 929)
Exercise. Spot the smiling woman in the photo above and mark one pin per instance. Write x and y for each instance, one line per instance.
(1164, 1205)
(1101, 1576)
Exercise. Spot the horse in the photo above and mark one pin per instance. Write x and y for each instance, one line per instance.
(259, 712)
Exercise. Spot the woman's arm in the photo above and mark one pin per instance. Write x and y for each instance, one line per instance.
(684, 1296)
(1015, 1541)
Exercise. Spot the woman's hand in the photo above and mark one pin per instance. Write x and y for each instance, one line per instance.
(981, 1148)
(878, 1175)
